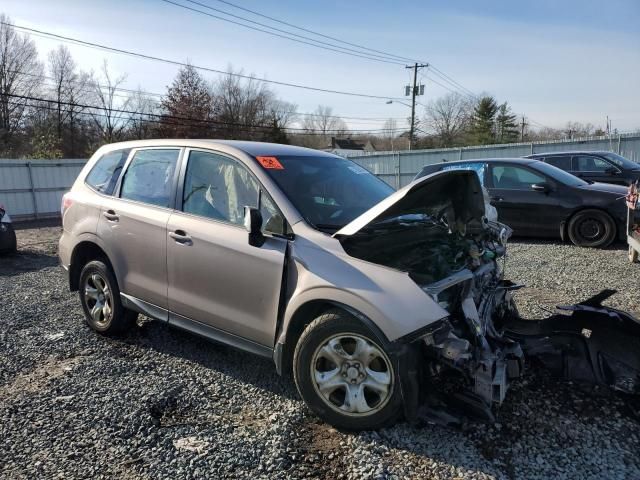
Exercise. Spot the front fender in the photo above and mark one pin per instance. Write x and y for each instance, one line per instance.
(395, 304)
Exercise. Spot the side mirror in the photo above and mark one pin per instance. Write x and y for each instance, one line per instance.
(541, 187)
(253, 224)
(612, 171)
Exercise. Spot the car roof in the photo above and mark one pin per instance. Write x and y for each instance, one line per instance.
(524, 161)
(569, 152)
(250, 148)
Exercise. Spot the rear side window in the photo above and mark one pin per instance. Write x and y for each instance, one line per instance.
(149, 177)
(586, 163)
(479, 168)
(563, 163)
(105, 173)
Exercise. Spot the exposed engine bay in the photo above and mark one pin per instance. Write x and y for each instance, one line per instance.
(445, 243)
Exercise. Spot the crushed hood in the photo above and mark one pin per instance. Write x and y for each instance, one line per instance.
(457, 190)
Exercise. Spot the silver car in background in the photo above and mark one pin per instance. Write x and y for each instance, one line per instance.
(368, 296)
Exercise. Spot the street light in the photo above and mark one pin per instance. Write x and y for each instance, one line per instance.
(389, 102)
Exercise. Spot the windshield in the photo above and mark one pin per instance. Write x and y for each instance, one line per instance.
(559, 175)
(621, 161)
(328, 192)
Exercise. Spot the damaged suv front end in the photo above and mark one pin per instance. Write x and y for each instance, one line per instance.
(439, 235)
(436, 232)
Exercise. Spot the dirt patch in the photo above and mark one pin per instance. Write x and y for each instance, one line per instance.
(36, 380)
(323, 438)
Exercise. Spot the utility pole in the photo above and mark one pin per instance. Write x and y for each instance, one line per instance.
(414, 92)
(522, 125)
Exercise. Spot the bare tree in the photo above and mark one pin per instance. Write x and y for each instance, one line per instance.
(71, 90)
(322, 124)
(62, 70)
(20, 76)
(110, 118)
(142, 122)
(390, 133)
(449, 117)
(242, 104)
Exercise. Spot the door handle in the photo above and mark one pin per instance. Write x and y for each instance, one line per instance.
(111, 216)
(497, 199)
(180, 236)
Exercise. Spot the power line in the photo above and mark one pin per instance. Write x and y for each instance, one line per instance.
(405, 59)
(183, 64)
(176, 117)
(437, 71)
(161, 95)
(330, 46)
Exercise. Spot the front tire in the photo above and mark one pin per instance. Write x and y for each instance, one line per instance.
(345, 374)
(100, 298)
(592, 228)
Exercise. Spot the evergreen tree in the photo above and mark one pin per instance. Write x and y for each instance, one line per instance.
(506, 125)
(188, 106)
(483, 122)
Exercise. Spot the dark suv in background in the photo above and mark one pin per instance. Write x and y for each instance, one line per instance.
(607, 167)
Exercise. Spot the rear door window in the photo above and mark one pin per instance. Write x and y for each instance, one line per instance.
(149, 177)
(587, 163)
(562, 162)
(104, 175)
(478, 167)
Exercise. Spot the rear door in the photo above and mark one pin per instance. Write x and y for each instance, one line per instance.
(133, 223)
(527, 211)
(215, 277)
(563, 162)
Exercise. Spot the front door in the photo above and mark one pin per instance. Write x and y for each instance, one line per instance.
(133, 224)
(527, 211)
(595, 169)
(215, 277)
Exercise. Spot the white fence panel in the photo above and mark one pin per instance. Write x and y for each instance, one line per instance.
(34, 188)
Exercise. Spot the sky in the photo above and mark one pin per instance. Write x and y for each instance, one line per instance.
(553, 61)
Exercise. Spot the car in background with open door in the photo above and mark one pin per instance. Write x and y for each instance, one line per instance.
(8, 242)
(606, 167)
(537, 199)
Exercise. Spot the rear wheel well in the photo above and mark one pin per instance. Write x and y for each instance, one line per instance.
(84, 253)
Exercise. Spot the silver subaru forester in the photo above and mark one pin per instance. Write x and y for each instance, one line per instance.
(302, 256)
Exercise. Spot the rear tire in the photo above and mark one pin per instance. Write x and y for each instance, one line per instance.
(345, 374)
(100, 298)
(592, 228)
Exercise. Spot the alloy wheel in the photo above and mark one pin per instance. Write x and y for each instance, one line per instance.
(99, 299)
(352, 374)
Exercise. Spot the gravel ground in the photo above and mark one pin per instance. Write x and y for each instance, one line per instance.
(160, 403)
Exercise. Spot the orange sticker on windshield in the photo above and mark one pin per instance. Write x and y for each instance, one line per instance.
(270, 162)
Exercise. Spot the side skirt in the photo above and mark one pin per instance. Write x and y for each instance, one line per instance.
(193, 326)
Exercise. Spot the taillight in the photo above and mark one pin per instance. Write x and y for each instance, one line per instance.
(66, 203)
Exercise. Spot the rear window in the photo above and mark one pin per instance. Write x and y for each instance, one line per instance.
(105, 173)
